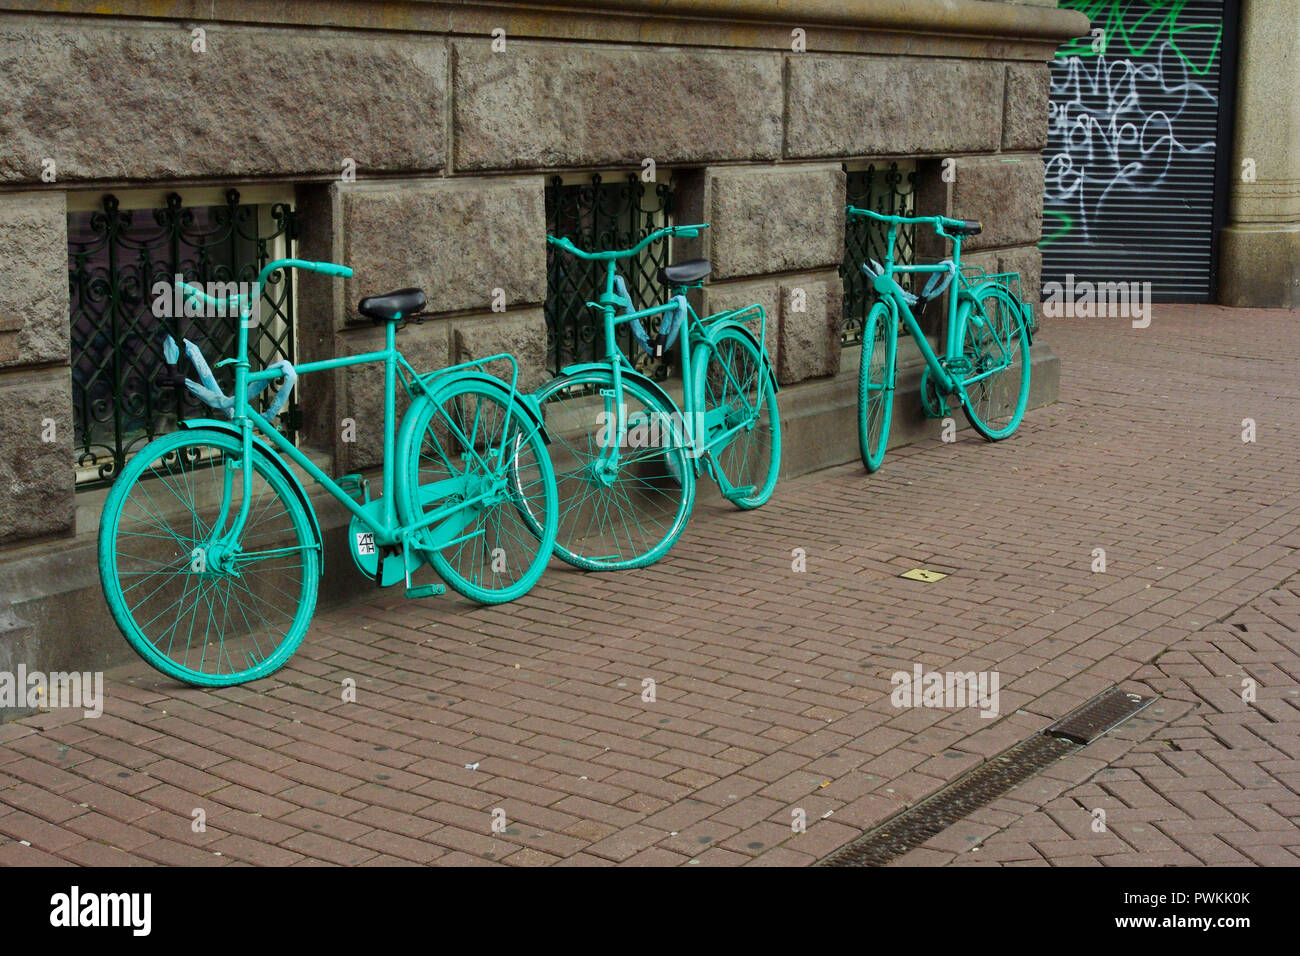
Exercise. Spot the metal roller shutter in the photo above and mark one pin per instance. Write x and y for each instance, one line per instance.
(1132, 146)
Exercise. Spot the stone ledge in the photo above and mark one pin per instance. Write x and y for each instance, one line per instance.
(977, 28)
(1241, 280)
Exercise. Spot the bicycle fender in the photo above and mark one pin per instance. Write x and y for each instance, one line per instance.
(526, 403)
(644, 381)
(1026, 310)
(711, 335)
(269, 453)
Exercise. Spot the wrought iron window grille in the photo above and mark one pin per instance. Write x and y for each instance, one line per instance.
(890, 190)
(123, 392)
(600, 215)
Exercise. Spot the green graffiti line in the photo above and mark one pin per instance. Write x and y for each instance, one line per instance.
(1066, 226)
(1137, 24)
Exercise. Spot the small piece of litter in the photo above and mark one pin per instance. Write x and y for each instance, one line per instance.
(921, 574)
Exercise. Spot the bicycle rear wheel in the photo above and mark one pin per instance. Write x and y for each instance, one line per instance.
(734, 390)
(193, 612)
(995, 390)
(471, 444)
(624, 517)
(876, 384)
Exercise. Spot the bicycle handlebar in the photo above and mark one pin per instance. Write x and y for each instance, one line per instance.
(686, 232)
(939, 222)
(237, 301)
(208, 391)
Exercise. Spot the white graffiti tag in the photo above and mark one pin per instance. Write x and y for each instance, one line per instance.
(1119, 127)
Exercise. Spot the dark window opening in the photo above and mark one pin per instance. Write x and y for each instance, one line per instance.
(122, 390)
(598, 216)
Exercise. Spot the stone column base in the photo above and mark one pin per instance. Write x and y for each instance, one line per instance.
(1259, 268)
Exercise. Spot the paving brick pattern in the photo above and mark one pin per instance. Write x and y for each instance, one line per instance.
(772, 687)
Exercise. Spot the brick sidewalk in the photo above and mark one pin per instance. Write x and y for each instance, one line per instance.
(773, 687)
(1203, 778)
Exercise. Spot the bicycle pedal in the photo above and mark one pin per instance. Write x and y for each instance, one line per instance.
(425, 590)
(357, 488)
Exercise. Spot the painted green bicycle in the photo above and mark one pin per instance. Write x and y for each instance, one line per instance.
(210, 552)
(626, 457)
(985, 364)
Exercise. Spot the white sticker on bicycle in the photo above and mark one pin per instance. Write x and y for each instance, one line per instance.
(365, 542)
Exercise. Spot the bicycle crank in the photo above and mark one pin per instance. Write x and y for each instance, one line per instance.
(933, 404)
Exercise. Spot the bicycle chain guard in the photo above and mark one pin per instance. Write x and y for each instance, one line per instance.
(366, 554)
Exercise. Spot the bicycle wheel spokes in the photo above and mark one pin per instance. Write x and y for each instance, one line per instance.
(738, 400)
(996, 353)
(623, 499)
(196, 604)
(475, 451)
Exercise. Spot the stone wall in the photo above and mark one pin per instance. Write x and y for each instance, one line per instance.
(453, 144)
(1259, 263)
(35, 382)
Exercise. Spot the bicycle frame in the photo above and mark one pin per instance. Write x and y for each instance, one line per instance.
(386, 528)
(693, 328)
(889, 290)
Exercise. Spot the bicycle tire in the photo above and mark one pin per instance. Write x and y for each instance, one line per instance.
(876, 384)
(995, 391)
(629, 519)
(752, 458)
(151, 544)
(501, 555)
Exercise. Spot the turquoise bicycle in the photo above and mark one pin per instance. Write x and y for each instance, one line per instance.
(626, 456)
(985, 364)
(210, 552)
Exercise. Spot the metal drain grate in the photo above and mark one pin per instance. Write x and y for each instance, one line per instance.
(984, 784)
(1108, 709)
(933, 815)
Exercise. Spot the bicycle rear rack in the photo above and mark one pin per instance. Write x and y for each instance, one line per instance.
(975, 275)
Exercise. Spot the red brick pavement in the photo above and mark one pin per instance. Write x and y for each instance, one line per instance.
(773, 687)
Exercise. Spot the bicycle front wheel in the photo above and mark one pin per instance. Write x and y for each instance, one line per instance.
(624, 515)
(876, 384)
(995, 389)
(200, 609)
(474, 453)
(735, 395)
